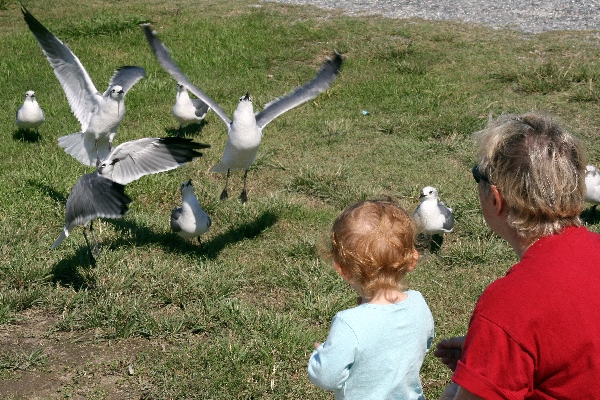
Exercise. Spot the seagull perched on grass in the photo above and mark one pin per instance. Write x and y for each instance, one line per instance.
(100, 194)
(245, 131)
(30, 114)
(189, 220)
(99, 114)
(592, 186)
(187, 110)
(432, 217)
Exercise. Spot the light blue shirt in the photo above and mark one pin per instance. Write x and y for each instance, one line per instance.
(375, 351)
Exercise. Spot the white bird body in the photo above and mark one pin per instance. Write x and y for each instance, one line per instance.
(30, 114)
(592, 185)
(190, 220)
(187, 110)
(243, 139)
(432, 216)
(245, 132)
(98, 114)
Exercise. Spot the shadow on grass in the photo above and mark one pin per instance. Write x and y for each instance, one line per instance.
(27, 135)
(208, 249)
(590, 216)
(189, 130)
(71, 272)
(48, 191)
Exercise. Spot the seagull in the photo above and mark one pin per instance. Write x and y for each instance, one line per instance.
(186, 110)
(189, 220)
(99, 114)
(30, 114)
(93, 196)
(245, 130)
(592, 186)
(101, 193)
(432, 217)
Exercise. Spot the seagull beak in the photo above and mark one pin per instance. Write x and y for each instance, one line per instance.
(422, 195)
(247, 96)
(189, 183)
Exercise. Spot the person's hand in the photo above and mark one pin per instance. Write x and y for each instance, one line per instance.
(316, 344)
(449, 351)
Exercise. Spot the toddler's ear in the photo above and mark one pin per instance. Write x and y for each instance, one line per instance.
(341, 270)
(413, 263)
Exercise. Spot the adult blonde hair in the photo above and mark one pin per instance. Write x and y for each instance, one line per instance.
(538, 168)
(373, 241)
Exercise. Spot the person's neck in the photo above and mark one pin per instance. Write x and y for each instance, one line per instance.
(387, 297)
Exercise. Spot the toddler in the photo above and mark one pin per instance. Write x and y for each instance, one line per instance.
(374, 350)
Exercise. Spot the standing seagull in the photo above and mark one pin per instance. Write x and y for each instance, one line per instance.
(592, 186)
(30, 114)
(100, 194)
(432, 217)
(99, 114)
(186, 110)
(189, 220)
(245, 131)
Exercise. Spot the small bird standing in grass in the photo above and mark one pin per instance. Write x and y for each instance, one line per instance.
(189, 220)
(187, 110)
(30, 114)
(432, 217)
(592, 186)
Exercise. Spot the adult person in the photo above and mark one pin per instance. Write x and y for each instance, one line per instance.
(534, 333)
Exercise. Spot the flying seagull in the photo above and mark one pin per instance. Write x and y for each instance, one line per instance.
(245, 131)
(432, 217)
(100, 194)
(189, 220)
(592, 186)
(99, 114)
(30, 114)
(187, 110)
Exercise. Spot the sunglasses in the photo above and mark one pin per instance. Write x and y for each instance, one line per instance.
(478, 176)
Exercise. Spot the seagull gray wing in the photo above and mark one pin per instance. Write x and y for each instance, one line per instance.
(163, 56)
(302, 94)
(201, 107)
(94, 196)
(449, 218)
(175, 215)
(132, 160)
(75, 81)
(126, 77)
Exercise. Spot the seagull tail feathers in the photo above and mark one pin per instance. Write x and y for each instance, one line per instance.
(80, 146)
(63, 235)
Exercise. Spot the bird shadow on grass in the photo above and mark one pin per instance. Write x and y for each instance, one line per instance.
(207, 248)
(75, 271)
(590, 216)
(48, 191)
(189, 130)
(26, 135)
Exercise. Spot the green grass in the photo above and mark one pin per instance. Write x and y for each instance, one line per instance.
(242, 309)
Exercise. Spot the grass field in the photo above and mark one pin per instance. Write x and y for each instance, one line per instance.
(236, 316)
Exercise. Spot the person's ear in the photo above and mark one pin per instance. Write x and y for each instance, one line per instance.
(340, 269)
(413, 263)
(497, 200)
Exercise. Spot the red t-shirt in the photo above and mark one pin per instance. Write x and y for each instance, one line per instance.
(535, 333)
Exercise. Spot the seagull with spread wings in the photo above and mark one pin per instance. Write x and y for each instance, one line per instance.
(99, 114)
(245, 130)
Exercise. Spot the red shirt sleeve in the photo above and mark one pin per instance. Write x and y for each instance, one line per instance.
(493, 365)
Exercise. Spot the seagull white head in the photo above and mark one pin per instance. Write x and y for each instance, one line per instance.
(117, 92)
(106, 167)
(30, 95)
(187, 187)
(428, 192)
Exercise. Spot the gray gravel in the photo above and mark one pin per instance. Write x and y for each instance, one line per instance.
(531, 16)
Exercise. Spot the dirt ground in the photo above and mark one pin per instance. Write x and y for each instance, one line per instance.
(71, 365)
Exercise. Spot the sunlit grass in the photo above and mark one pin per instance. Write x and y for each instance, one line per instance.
(241, 310)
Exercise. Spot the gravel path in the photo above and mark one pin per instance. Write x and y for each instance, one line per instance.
(531, 16)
